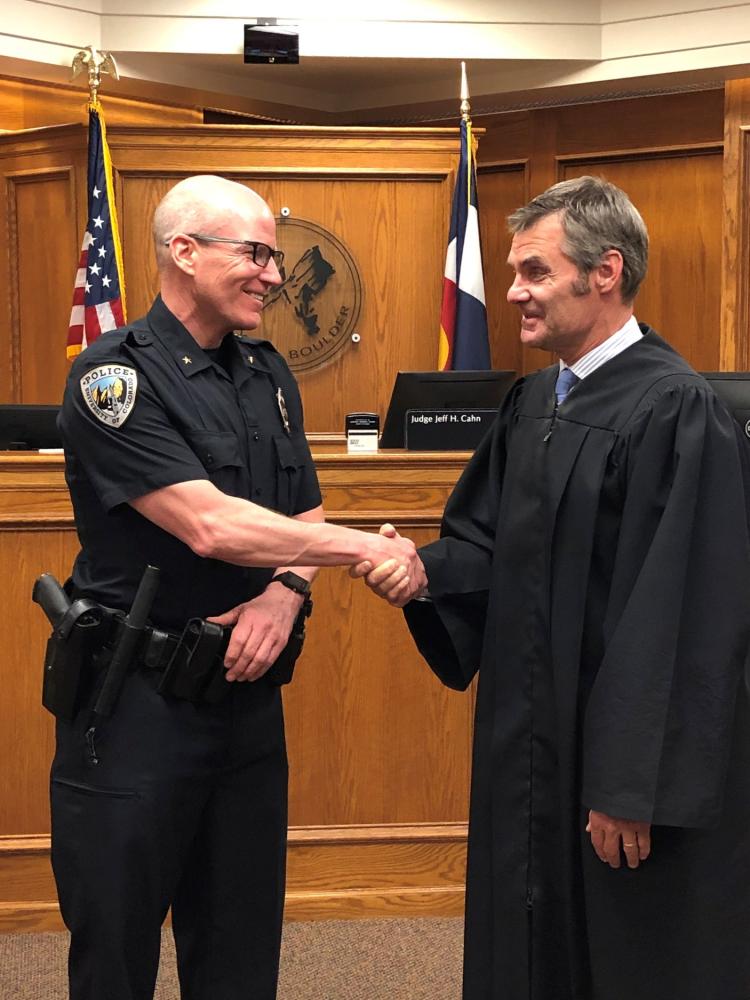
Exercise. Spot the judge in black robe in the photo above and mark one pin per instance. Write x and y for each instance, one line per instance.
(598, 578)
(594, 567)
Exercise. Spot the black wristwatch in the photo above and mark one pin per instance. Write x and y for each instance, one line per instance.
(294, 582)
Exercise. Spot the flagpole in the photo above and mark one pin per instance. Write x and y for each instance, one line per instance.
(466, 118)
(465, 103)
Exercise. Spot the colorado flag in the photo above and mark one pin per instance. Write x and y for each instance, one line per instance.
(464, 343)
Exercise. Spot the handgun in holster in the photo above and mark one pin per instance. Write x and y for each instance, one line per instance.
(80, 633)
(78, 629)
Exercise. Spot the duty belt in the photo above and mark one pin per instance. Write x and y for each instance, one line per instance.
(155, 650)
(191, 664)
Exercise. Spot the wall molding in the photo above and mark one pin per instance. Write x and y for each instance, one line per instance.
(643, 153)
(344, 872)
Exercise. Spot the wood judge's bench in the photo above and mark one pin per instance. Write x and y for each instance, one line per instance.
(379, 751)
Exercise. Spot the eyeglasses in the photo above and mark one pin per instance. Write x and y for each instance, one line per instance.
(259, 253)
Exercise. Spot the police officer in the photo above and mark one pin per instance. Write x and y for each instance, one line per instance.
(185, 449)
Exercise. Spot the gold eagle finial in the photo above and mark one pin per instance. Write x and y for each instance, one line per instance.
(98, 63)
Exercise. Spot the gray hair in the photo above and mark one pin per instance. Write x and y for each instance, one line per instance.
(197, 203)
(595, 217)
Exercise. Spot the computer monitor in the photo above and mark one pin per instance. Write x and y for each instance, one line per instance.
(733, 389)
(28, 427)
(454, 390)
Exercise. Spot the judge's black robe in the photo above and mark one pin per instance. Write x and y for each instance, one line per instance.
(594, 565)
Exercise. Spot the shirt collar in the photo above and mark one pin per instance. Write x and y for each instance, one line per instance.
(619, 341)
(188, 355)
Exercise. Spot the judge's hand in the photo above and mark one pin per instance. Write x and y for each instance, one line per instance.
(385, 546)
(608, 833)
(261, 631)
(395, 582)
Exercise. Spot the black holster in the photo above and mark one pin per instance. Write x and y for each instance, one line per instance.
(68, 660)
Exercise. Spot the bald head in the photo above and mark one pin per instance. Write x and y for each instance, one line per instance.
(201, 204)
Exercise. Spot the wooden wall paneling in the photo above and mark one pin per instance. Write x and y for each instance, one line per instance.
(735, 268)
(8, 296)
(695, 117)
(35, 537)
(137, 198)
(664, 120)
(44, 180)
(409, 764)
(505, 139)
(28, 104)
(43, 271)
(395, 229)
(332, 873)
(28, 901)
(678, 193)
(397, 870)
(502, 187)
(360, 675)
(528, 138)
(26, 730)
(267, 150)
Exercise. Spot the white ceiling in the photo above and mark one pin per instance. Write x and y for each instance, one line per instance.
(396, 62)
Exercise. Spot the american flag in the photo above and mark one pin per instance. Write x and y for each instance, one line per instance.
(99, 292)
(464, 342)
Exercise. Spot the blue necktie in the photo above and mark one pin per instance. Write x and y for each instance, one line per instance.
(565, 382)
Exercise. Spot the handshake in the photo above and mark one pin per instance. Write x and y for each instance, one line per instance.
(392, 569)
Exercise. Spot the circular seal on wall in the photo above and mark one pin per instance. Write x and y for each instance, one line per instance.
(311, 316)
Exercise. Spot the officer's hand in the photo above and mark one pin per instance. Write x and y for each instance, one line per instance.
(397, 580)
(610, 833)
(261, 630)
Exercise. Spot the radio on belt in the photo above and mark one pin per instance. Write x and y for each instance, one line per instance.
(362, 431)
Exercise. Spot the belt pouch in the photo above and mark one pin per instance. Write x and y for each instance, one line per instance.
(217, 684)
(194, 661)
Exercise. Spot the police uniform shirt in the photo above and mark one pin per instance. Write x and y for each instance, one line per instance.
(145, 407)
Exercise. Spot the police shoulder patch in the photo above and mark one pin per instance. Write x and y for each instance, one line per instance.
(109, 392)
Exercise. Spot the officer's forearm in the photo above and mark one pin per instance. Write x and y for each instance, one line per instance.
(248, 535)
(218, 526)
(314, 516)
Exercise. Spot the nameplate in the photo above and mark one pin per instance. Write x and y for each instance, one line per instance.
(446, 430)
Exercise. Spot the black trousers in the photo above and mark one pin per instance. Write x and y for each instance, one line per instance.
(186, 808)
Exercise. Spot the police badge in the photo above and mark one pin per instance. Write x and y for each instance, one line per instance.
(283, 410)
(109, 392)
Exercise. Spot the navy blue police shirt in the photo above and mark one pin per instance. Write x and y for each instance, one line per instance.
(145, 407)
